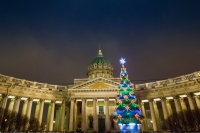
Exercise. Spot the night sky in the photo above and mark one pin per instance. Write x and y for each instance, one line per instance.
(54, 42)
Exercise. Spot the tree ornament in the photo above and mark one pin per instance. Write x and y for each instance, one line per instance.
(127, 107)
(137, 116)
(119, 116)
(125, 97)
(132, 101)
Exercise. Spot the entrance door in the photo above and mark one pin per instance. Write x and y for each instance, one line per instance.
(101, 124)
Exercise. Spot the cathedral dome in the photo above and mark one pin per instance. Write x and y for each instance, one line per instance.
(100, 67)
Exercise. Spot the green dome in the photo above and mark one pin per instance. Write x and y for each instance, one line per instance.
(100, 67)
(100, 59)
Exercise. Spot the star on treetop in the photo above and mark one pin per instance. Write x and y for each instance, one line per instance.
(122, 61)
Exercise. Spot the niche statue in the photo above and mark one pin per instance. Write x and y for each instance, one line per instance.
(90, 117)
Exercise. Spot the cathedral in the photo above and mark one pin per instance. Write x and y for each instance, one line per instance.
(88, 104)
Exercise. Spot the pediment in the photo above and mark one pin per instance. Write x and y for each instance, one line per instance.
(97, 83)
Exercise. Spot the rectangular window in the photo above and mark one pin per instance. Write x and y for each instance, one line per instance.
(101, 109)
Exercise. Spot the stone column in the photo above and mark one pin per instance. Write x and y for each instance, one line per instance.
(144, 125)
(58, 112)
(169, 108)
(37, 109)
(4, 101)
(3, 106)
(51, 119)
(183, 105)
(71, 115)
(16, 104)
(62, 116)
(164, 108)
(191, 101)
(29, 107)
(11, 104)
(67, 117)
(95, 119)
(157, 115)
(1, 99)
(41, 111)
(28, 111)
(197, 101)
(48, 115)
(107, 114)
(83, 119)
(24, 108)
(75, 115)
(177, 104)
(153, 116)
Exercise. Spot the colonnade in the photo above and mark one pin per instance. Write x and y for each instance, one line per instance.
(193, 100)
(14, 104)
(73, 110)
(70, 123)
(65, 123)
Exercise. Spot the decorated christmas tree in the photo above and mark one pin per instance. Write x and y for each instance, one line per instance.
(127, 111)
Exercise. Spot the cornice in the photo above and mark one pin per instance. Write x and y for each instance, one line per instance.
(176, 83)
(93, 90)
(169, 82)
(178, 89)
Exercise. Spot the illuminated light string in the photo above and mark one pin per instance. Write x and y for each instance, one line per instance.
(127, 110)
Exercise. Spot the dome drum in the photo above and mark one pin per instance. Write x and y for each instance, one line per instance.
(100, 73)
(100, 67)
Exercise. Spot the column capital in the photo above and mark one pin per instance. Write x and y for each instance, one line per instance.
(4, 95)
(18, 97)
(95, 98)
(83, 99)
(190, 94)
(163, 98)
(63, 101)
(175, 96)
(150, 100)
(41, 100)
(53, 101)
(30, 99)
(106, 98)
(72, 99)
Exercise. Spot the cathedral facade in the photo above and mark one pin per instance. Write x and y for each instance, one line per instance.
(88, 104)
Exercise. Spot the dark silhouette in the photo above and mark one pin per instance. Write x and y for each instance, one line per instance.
(15, 122)
(185, 121)
(90, 117)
